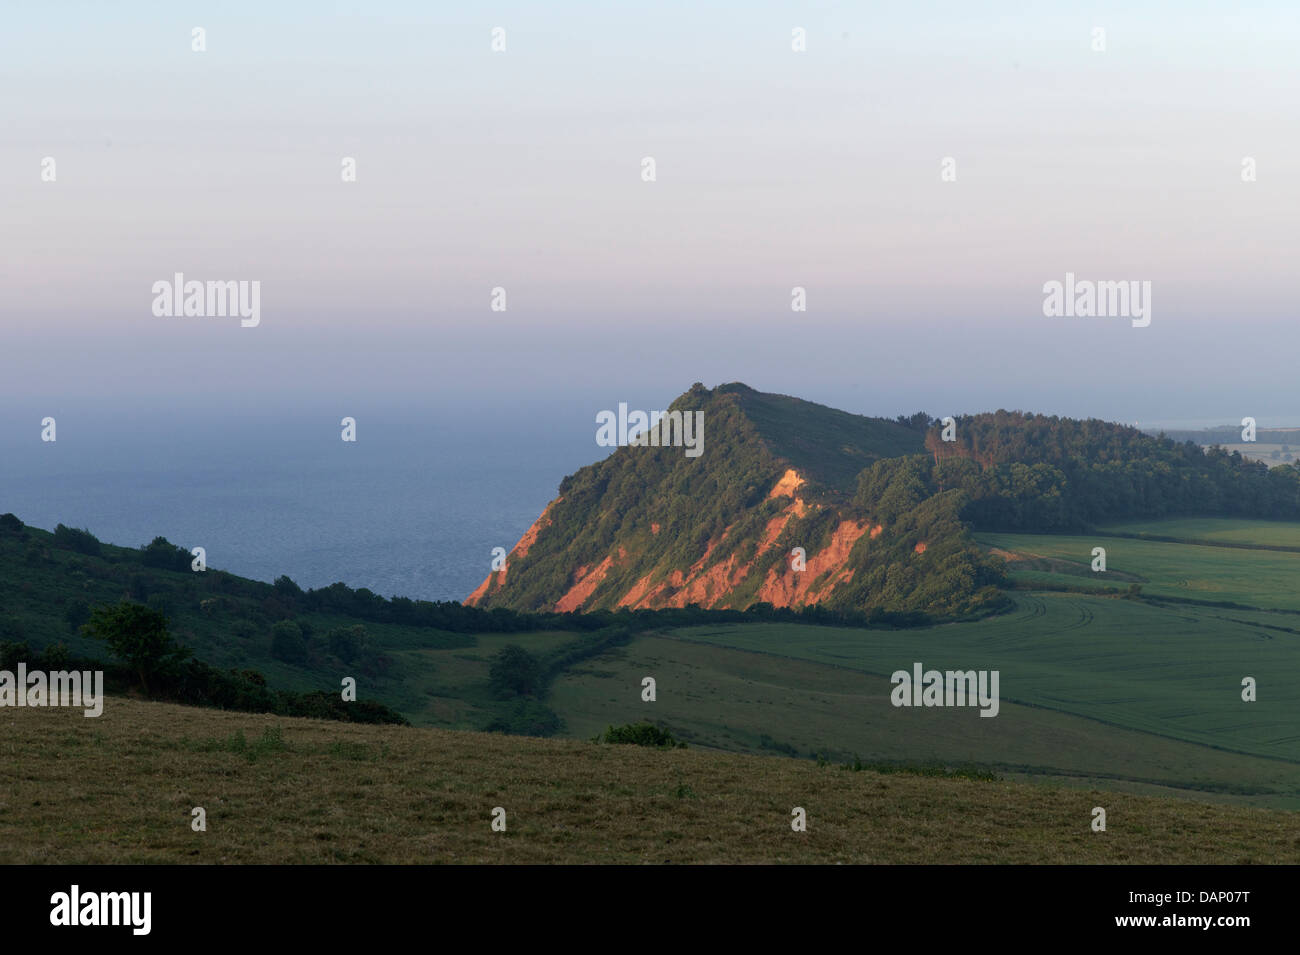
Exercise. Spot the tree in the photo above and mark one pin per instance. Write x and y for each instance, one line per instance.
(82, 541)
(285, 587)
(287, 643)
(138, 637)
(346, 642)
(514, 671)
(165, 555)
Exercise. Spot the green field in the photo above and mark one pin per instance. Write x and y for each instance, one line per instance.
(1257, 578)
(1140, 694)
(1221, 529)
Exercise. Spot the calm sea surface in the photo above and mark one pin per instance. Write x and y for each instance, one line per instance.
(413, 508)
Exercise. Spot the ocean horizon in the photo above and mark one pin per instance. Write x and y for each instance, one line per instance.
(412, 509)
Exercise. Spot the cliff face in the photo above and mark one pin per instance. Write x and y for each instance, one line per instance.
(769, 511)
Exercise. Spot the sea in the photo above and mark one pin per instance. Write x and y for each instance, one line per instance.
(413, 507)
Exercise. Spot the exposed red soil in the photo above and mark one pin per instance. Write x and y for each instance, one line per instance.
(585, 586)
(784, 587)
(497, 578)
(789, 483)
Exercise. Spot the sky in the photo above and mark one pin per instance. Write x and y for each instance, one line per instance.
(522, 169)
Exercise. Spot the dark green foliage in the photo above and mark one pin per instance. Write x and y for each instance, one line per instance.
(1040, 473)
(287, 643)
(82, 541)
(346, 642)
(285, 587)
(830, 446)
(76, 612)
(13, 652)
(527, 718)
(921, 769)
(640, 734)
(137, 635)
(11, 526)
(515, 672)
(767, 742)
(164, 555)
(195, 683)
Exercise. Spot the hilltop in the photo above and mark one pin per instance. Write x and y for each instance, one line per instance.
(795, 504)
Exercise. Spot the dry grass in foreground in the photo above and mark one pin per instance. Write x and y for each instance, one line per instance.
(120, 789)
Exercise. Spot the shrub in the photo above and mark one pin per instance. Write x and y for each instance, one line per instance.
(11, 526)
(82, 541)
(165, 555)
(527, 718)
(640, 734)
(287, 643)
(346, 642)
(514, 672)
(138, 636)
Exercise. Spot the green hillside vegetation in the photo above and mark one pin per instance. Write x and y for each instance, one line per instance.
(649, 517)
(1042, 473)
(288, 791)
(281, 649)
(722, 498)
(832, 446)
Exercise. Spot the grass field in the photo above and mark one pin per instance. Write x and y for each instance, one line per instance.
(1257, 578)
(1134, 694)
(1222, 529)
(120, 789)
(1138, 695)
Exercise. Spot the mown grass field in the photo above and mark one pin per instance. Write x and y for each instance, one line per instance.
(1224, 529)
(713, 694)
(120, 789)
(1256, 578)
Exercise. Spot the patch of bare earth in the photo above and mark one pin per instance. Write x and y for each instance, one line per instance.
(497, 578)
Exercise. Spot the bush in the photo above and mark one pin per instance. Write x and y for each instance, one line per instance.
(287, 643)
(138, 637)
(346, 642)
(57, 657)
(13, 653)
(82, 541)
(285, 587)
(640, 734)
(514, 672)
(527, 718)
(164, 555)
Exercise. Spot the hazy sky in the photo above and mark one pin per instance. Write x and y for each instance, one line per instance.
(775, 169)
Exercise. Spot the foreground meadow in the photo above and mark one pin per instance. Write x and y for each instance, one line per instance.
(122, 788)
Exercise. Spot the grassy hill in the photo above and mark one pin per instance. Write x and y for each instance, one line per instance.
(793, 504)
(300, 791)
(435, 674)
(649, 527)
(830, 445)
